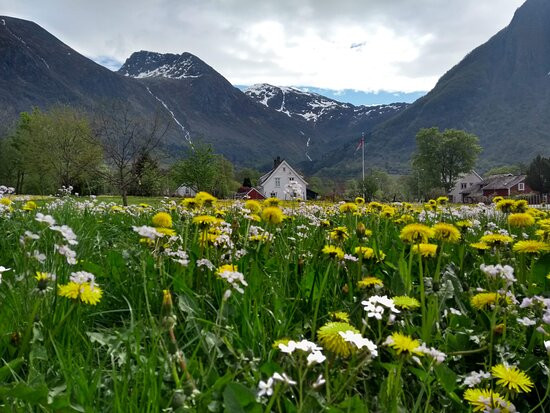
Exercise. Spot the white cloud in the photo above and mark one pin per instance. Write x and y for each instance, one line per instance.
(400, 45)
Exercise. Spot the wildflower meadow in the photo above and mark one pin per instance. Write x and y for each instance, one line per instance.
(200, 305)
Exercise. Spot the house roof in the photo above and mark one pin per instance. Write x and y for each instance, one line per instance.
(505, 181)
(268, 175)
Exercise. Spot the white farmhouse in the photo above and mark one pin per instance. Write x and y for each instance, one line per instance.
(465, 186)
(283, 182)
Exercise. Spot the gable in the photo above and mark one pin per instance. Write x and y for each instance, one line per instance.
(282, 168)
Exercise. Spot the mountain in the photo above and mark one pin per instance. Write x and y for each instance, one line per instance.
(204, 104)
(37, 69)
(500, 92)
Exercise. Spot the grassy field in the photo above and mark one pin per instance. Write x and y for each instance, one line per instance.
(205, 306)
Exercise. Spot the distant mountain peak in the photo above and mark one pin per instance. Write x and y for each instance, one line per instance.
(145, 64)
(313, 107)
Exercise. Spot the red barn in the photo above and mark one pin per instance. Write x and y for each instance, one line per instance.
(506, 185)
(248, 193)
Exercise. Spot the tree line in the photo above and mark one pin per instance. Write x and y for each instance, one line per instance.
(110, 151)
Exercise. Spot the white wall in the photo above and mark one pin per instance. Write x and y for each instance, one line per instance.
(465, 183)
(285, 175)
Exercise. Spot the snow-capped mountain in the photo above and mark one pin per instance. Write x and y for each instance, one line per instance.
(146, 64)
(316, 108)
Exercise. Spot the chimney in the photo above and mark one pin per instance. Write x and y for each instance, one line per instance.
(276, 162)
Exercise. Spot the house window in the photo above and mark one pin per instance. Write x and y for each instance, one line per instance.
(463, 185)
(291, 178)
(277, 182)
(284, 169)
(521, 186)
(273, 195)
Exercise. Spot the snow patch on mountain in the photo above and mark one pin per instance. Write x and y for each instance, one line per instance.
(310, 106)
(170, 66)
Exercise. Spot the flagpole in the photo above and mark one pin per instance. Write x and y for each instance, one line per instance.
(363, 148)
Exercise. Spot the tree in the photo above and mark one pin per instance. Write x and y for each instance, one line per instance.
(126, 139)
(52, 149)
(504, 169)
(441, 157)
(538, 175)
(203, 170)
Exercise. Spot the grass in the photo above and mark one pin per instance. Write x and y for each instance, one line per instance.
(171, 332)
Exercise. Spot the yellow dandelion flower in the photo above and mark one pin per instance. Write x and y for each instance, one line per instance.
(446, 232)
(330, 338)
(340, 316)
(530, 247)
(339, 234)
(520, 206)
(521, 219)
(347, 207)
(426, 250)
(362, 231)
(416, 233)
(30, 206)
(272, 202)
(273, 215)
(227, 267)
(204, 221)
(359, 200)
(496, 240)
(5, 201)
(442, 200)
(376, 206)
(162, 219)
(388, 212)
(481, 399)
(497, 199)
(404, 344)
(366, 252)
(333, 252)
(485, 300)
(406, 302)
(464, 225)
(253, 206)
(505, 205)
(117, 208)
(205, 199)
(512, 379)
(90, 294)
(70, 290)
(367, 282)
(190, 203)
(207, 238)
(166, 231)
(480, 246)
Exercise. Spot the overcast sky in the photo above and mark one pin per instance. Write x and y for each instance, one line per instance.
(367, 45)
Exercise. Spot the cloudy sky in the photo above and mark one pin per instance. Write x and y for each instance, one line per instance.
(364, 45)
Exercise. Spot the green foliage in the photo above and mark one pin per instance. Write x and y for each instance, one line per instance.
(203, 170)
(49, 150)
(441, 157)
(538, 174)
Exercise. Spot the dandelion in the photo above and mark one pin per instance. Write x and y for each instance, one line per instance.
(333, 252)
(205, 199)
(340, 316)
(403, 344)
(416, 233)
(330, 338)
(530, 247)
(347, 207)
(359, 200)
(486, 400)
(496, 240)
(426, 250)
(90, 294)
(442, 200)
(5, 201)
(505, 205)
(272, 202)
(405, 302)
(253, 206)
(339, 234)
(521, 220)
(43, 279)
(512, 379)
(162, 220)
(483, 301)
(30, 206)
(464, 225)
(370, 282)
(446, 232)
(189, 203)
(204, 221)
(480, 246)
(273, 215)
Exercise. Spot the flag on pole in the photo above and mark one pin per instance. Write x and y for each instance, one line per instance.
(360, 144)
